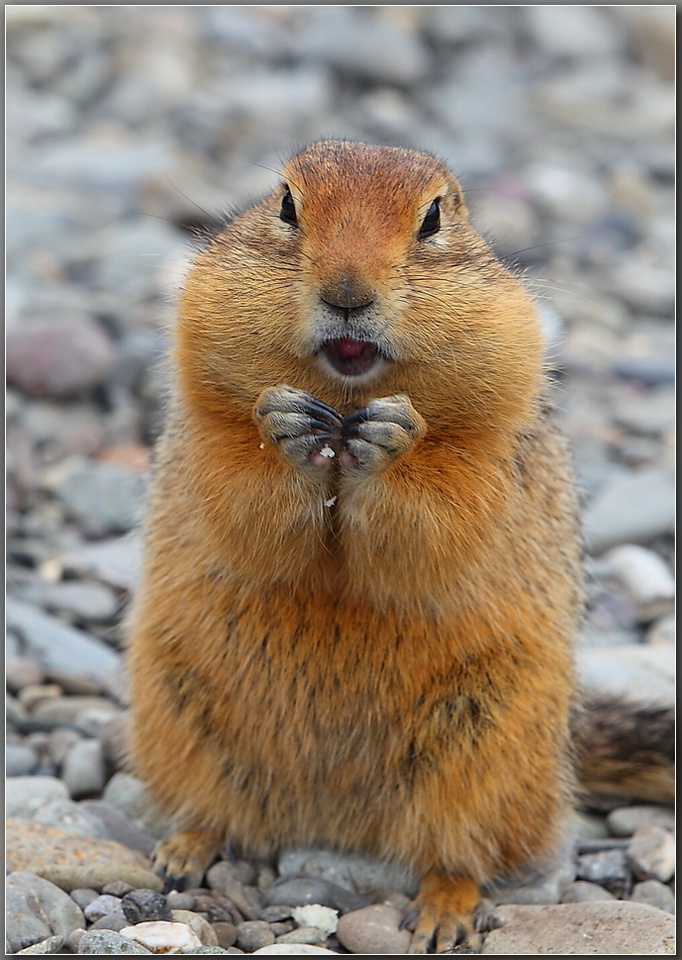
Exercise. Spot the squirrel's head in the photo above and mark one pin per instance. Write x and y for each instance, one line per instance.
(360, 275)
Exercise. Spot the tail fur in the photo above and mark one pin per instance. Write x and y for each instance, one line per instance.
(624, 749)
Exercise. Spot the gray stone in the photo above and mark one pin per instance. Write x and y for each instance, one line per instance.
(624, 821)
(615, 928)
(143, 905)
(45, 947)
(59, 359)
(573, 31)
(646, 577)
(295, 891)
(253, 934)
(655, 893)
(24, 796)
(109, 942)
(116, 561)
(105, 494)
(582, 891)
(361, 874)
(608, 868)
(20, 760)
(635, 507)
(104, 906)
(36, 910)
(71, 817)
(84, 771)
(22, 672)
(374, 929)
(56, 645)
(651, 853)
(117, 826)
(645, 674)
(126, 793)
(80, 600)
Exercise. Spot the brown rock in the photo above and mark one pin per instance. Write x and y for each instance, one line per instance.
(373, 929)
(70, 861)
(613, 928)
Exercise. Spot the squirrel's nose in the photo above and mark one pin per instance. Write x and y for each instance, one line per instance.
(347, 293)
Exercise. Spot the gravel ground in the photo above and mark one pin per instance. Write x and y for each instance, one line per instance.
(129, 129)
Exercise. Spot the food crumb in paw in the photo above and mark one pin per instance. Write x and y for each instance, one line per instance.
(327, 451)
(330, 502)
(261, 446)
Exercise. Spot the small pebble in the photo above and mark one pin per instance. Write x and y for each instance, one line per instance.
(110, 942)
(144, 905)
(111, 922)
(303, 935)
(374, 929)
(253, 934)
(198, 925)
(624, 821)
(655, 893)
(159, 936)
(651, 853)
(582, 892)
(226, 933)
(608, 868)
(103, 906)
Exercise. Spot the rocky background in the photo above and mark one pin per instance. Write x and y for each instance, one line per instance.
(129, 129)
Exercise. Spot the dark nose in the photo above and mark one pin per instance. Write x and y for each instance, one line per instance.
(347, 293)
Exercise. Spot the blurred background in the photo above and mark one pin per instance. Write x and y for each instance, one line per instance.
(129, 129)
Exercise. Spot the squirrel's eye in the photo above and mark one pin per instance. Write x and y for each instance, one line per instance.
(431, 222)
(288, 211)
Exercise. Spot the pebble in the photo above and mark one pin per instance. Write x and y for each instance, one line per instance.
(110, 942)
(70, 861)
(160, 936)
(299, 891)
(609, 868)
(104, 906)
(84, 771)
(47, 946)
(93, 602)
(643, 673)
(624, 821)
(295, 949)
(58, 359)
(648, 581)
(315, 915)
(584, 892)
(57, 645)
(20, 760)
(374, 929)
(24, 796)
(655, 893)
(635, 507)
(106, 496)
(198, 925)
(253, 934)
(362, 874)
(613, 928)
(651, 853)
(36, 909)
(71, 817)
(144, 905)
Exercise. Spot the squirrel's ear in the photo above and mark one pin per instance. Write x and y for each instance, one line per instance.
(457, 196)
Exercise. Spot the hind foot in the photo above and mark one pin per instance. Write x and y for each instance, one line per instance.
(449, 914)
(182, 859)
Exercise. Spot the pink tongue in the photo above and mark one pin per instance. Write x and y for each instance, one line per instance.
(350, 349)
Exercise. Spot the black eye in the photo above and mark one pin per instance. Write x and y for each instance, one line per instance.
(288, 211)
(431, 222)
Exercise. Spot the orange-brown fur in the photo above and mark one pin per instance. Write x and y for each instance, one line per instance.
(391, 673)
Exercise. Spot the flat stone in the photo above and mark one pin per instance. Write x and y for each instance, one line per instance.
(161, 936)
(362, 874)
(635, 507)
(300, 891)
(373, 930)
(584, 892)
(104, 494)
(655, 893)
(643, 673)
(58, 359)
(56, 645)
(646, 577)
(84, 770)
(109, 942)
(45, 947)
(624, 821)
(20, 760)
(26, 795)
(615, 928)
(70, 861)
(71, 817)
(116, 561)
(651, 853)
(36, 909)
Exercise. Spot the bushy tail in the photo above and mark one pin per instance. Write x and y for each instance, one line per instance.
(624, 749)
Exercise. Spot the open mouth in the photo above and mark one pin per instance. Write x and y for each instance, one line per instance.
(349, 357)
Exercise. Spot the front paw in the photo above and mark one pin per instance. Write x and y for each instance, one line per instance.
(305, 431)
(379, 434)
